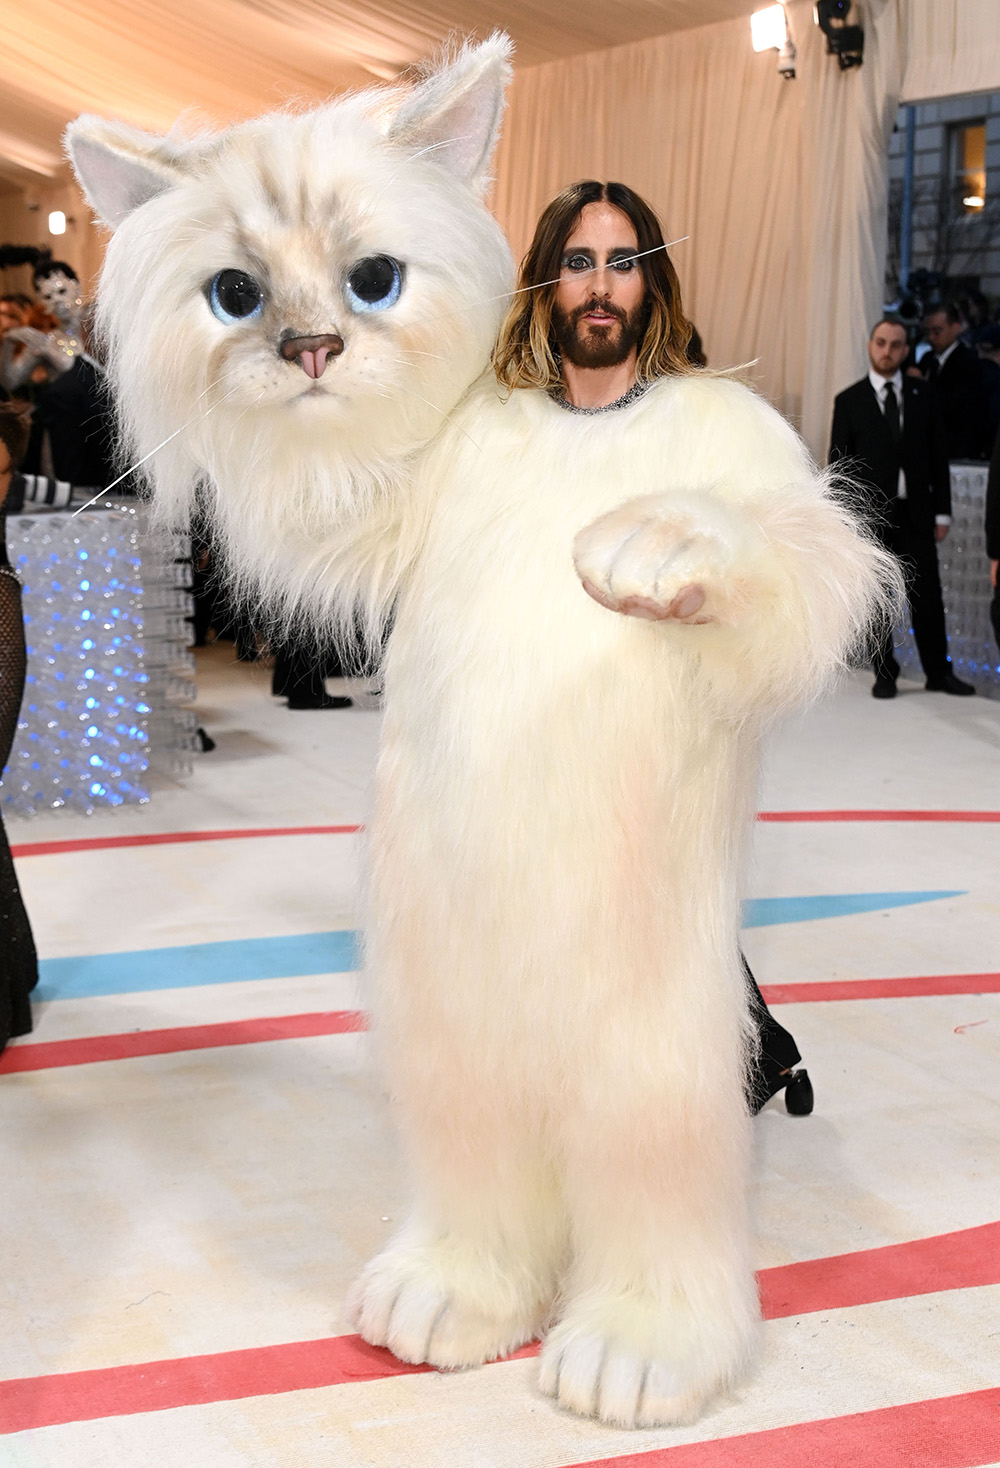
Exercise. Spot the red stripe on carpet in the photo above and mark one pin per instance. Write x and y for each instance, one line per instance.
(49, 1054)
(228, 1376)
(945, 1432)
(960, 1260)
(27, 1055)
(878, 815)
(171, 838)
(921, 987)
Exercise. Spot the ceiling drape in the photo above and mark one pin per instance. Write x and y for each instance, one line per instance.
(147, 61)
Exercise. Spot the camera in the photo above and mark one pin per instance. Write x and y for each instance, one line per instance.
(846, 42)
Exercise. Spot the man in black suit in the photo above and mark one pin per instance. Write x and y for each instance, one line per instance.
(957, 373)
(888, 430)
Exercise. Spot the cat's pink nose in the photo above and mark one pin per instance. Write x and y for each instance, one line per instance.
(312, 351)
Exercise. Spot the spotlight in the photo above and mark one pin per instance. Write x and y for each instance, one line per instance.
(769, 32)
(767, 28)
(846, 42)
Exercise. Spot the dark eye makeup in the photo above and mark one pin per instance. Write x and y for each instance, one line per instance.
(577, 261)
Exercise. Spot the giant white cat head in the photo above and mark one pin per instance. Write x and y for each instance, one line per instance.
(304, 297)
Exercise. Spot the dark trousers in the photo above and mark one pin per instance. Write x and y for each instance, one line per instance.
(995, 614)
(911, 539)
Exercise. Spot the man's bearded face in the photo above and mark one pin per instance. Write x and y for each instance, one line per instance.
(599, 307)
(598, 333)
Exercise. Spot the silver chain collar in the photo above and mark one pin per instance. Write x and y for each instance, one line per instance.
(634, 393)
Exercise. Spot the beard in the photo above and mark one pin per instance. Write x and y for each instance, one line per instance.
(597, 346)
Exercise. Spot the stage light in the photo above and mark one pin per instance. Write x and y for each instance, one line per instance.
(974, 201)
(769, 32)
(767, 28)
(57, 222)
(846, 42)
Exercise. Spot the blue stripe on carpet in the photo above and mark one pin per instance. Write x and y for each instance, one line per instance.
(194, 964)
(766, 912)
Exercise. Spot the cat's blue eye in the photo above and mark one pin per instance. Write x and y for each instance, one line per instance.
(374, 284)
(235, 296)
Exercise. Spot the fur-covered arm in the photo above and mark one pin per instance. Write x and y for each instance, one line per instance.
(771, 586)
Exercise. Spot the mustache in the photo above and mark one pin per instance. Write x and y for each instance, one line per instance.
(594, 304)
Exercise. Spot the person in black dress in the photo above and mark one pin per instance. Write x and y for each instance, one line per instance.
(18, 961)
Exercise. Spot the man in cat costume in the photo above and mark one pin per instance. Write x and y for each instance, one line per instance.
(583, 315)
(596, 616)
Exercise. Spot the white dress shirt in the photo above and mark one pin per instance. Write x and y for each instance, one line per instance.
(880, 383)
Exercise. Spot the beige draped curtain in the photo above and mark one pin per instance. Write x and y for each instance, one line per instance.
(951, 47)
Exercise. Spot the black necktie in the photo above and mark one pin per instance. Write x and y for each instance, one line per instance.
(892, 413)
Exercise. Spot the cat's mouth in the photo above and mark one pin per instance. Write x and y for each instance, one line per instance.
(317, 390)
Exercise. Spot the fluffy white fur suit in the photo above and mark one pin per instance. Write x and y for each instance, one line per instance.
(566, 781)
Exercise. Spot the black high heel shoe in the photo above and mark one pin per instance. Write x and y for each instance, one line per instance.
(797, 1088)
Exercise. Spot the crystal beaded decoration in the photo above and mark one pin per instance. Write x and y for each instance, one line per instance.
(965, 586)
(109, 671)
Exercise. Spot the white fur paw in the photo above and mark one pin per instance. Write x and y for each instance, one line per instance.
(636, 1362)
(405, 1300)
(683, 559)
(593, 1377)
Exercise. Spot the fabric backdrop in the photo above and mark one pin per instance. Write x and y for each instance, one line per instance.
(951, 47)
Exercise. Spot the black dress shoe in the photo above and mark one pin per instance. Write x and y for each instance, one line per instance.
(948, 683)
(328, 701)
(884, 688)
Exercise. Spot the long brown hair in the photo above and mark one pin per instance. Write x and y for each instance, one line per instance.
(525, 353)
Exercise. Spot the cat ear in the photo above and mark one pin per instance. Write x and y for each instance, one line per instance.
(119, 167)
(456, 110)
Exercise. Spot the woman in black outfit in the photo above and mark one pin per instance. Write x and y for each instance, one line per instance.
(18, 962)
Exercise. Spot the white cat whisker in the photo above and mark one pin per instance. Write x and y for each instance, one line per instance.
(431, 147)
(400, 388)
(198, 418)
(577, 274)
(250, 406)
(618, 260)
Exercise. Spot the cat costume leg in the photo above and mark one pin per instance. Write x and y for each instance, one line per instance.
(564, 789)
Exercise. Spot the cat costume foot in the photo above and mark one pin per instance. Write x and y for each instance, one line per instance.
(428, 1307)
(627, 1361)
(636, 1363)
